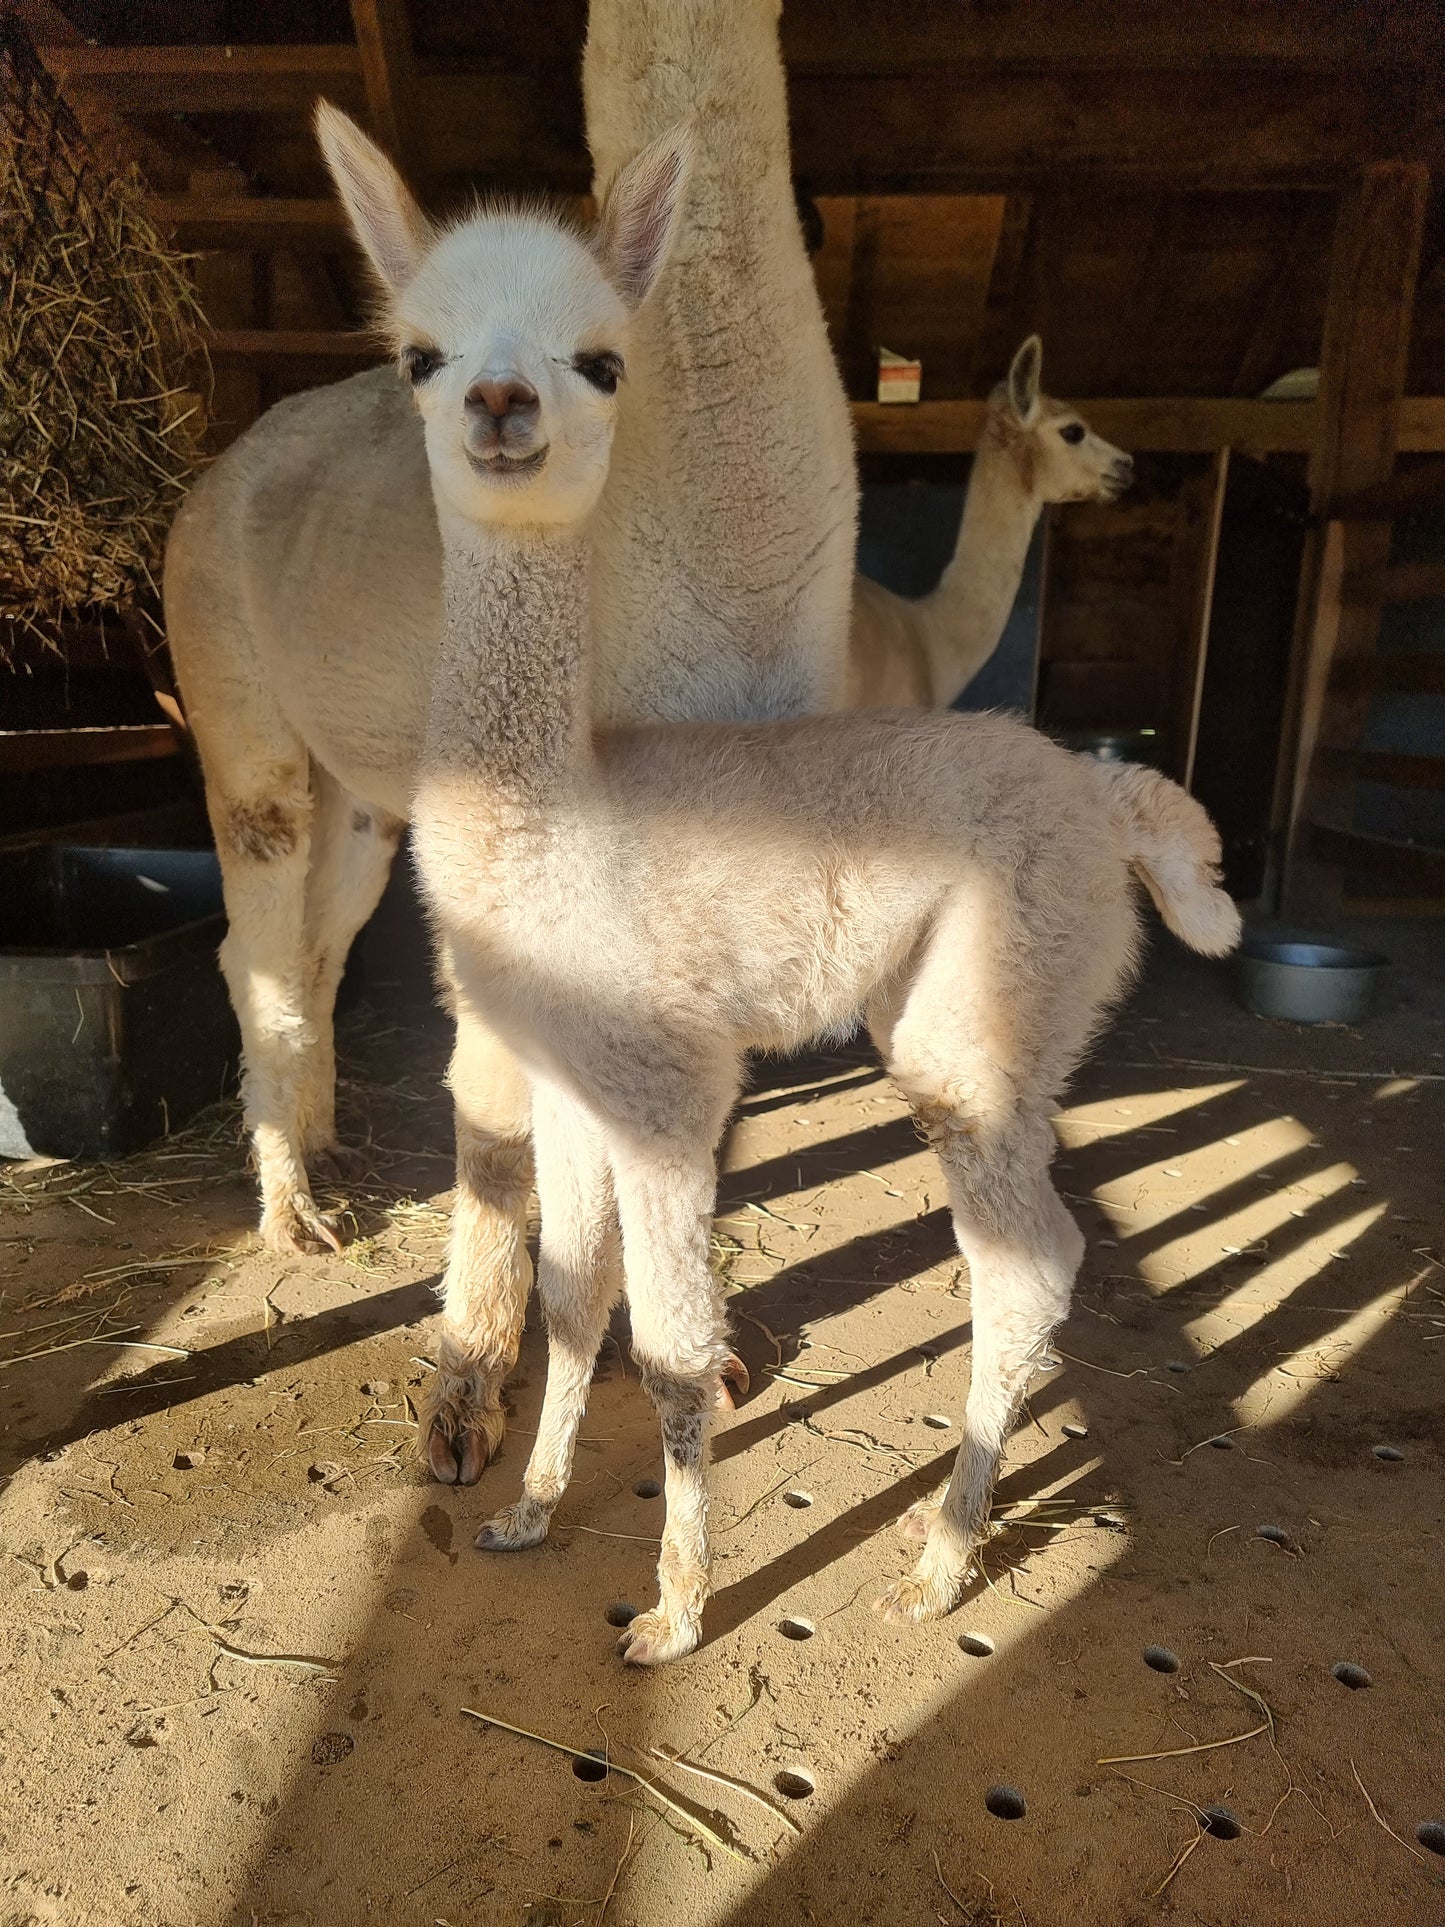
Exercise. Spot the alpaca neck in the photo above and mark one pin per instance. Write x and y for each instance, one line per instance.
(967, 612)
(509, 697)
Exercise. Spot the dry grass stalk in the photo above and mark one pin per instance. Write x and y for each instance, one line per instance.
(97, 438)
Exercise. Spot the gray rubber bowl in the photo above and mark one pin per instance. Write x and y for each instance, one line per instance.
(1308, 983)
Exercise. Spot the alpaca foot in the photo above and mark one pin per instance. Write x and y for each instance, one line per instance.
(339, 1163)
(461, 1425)
(909, 1601)
(515, 1527)
(917, 1520)
(297, 1228)
(733, 1382)
(652, 1638)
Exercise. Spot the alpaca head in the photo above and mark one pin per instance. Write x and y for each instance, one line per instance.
(511, 329)
(1059, 457)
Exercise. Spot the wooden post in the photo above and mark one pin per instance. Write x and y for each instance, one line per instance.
(383, 39)
(1373, 267)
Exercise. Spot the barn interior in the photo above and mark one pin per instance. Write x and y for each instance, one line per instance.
(250, 1644)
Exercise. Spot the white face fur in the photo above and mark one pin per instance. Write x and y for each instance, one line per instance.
(511, 331)
(1066, 460)
(504, 307)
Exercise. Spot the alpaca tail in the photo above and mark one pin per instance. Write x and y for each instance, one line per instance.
(1174, 850)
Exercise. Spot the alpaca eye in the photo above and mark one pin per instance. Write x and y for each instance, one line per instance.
(420, 364)
(603, 371)
(1073, 433)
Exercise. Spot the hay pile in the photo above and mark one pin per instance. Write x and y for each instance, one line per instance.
(97, 318)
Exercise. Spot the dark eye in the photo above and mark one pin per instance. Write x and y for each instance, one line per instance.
(1073, 433)
(420, 364)
(604, 371)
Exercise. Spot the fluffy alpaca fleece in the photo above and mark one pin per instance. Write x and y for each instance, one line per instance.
(632, 912)
(303, 605)
(1032, 451)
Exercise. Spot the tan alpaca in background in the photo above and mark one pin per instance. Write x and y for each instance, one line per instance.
(632, 912)
(1032, 452)
(303, 603)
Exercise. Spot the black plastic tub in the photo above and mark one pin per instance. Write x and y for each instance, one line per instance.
(115, 1026)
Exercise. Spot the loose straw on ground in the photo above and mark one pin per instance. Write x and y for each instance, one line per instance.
(580, 1753)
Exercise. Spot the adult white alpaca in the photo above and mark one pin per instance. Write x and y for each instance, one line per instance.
(1033, 451)
(303, 603)
(634, 911)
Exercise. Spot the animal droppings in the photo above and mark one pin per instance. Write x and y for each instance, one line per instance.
(590, 1767)
(1221, 1442)
(331, 1748)
(1075, 1431)
(1389, 1454)
(976, 1645)
(1005, 1803)
(619, 1613)
(798, 1500)
(794, 1785)
(1160, 1660)
(937, 1421)
(796, 1628)
(1431, 1835)
(1178, 1365)
(647, 1489)
(1276, 1535)
(1221, 1824)
(1350, 1675)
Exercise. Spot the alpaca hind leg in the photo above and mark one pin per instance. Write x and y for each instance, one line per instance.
(679, 1339)
(352, 847)
(578, 1281)
(262, 823)
(1023, 1250)
(489, 1271)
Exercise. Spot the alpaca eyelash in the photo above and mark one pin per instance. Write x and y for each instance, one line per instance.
(603, 371)
(421, 364)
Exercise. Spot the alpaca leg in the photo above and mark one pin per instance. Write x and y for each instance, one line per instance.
(263, 838)
(679, 1339)
(578, 1281)
(489, 1272)
(1024, 1251)
(352, 847)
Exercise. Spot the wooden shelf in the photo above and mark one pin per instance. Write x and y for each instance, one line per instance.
(1411, 869)
(23, 751)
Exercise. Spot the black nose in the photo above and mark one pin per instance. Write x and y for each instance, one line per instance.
(502, 398)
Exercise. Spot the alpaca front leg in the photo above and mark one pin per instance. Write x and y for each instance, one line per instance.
(489, 1271)
(577, 1278)
(680, 1342)
(674, 1627)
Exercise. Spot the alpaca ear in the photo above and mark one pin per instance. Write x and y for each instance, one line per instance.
(1023, 380)
(639, 214)
(386, 220)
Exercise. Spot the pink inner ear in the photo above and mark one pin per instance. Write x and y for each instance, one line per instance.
(641, 225)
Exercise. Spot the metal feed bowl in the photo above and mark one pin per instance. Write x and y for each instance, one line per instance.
(1308, 983)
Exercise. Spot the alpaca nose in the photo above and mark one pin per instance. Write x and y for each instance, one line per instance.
(502, 398)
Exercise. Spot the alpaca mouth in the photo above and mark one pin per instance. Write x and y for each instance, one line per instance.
(507, 468)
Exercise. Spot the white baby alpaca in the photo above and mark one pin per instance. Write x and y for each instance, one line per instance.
(633, 911)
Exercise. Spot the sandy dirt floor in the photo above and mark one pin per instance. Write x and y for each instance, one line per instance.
(239, 1630)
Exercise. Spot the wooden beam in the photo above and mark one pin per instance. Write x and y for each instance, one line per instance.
(836, 36)
(1388, 672)
(1413, 869)
(388, 73)
(273, 347)
(207, 80)
(1374, 263)
(964, 129)
(233, 221)
(1178, 425)
(1395, 582)
(23, 751)
(1383, 766)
